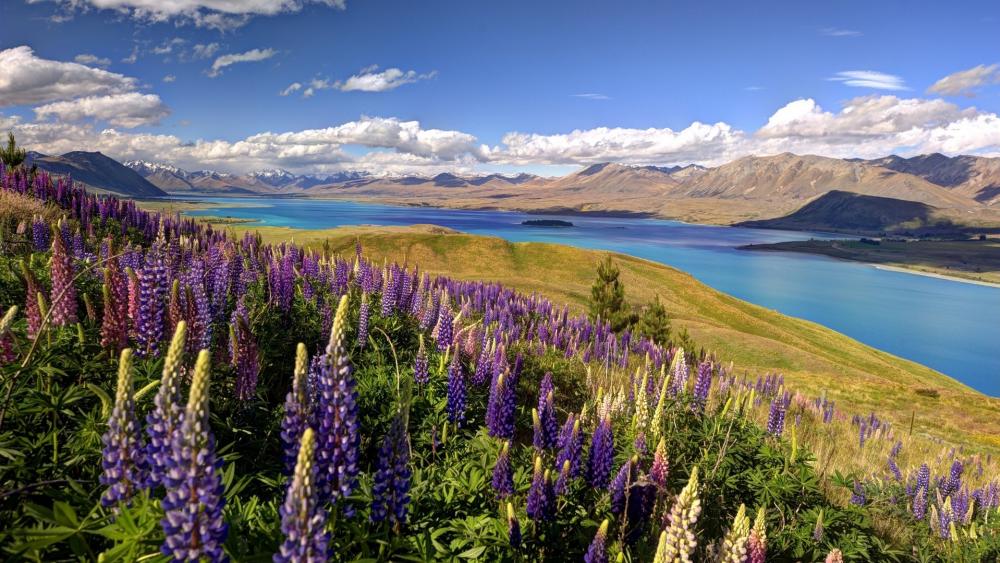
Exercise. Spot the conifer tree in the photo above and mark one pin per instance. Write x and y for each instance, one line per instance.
(654, 323)
(607, 297)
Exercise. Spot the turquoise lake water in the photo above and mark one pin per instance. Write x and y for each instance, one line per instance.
(947, 325)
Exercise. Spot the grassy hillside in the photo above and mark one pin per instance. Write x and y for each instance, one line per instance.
(811, 357)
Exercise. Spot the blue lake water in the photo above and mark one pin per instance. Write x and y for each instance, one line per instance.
(947, 325)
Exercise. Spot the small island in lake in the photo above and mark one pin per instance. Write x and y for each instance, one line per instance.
(546, 223)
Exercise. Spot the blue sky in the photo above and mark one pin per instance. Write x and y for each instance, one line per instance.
(474, 72)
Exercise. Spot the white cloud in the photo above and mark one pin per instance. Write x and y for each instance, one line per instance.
(839, 32)
(870, 79)
(370, 80)
(292, 88)
(28, 79)
(592, 96)
(251, 56)
(168, 46)
(94, 60)
(204, 50)
(966, 81)
(217, 14)
(169, 78)
(120, 110)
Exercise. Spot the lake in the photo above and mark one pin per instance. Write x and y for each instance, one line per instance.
(948, 325)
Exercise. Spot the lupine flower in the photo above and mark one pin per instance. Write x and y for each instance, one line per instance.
(421, 374)
(661, 466)
(757, 544)
(547, 412)
(124, 463)
(681, 540)
(818, 528)
(776, 418)
(444, 330)
(513, 527)
(500, 408)
(954, 481)
(920, 503)
(620, 484)
(598, 551)
(702, 385)
(562, 482)
(541, 499)
(858, 496)
(246, 357)
(40, 233)
(835, 556)
(337, 417)
(114, 321)
(571, 445)
(456, 390)
(363, 313)
(734, 545)
(193, 523)
(661, 555)
(33, 299)
(63, 296)
(602, 451)
(679, 377)
(503, 476)
(391, 486)
(150, 320)
(164, 421)
(303, 518)
(896, 473)
(298, 407)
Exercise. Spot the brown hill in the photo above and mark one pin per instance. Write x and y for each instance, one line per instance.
(976, 177)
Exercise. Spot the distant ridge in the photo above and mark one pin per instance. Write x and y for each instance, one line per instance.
(97, 172)
(837, 211)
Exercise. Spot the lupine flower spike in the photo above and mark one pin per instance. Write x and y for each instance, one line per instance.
(757, 543)
(297, 409)
(303, 519)
(164, 421)
(734, 546)
(681, 539)
(391, 487)
(503, 476)
(598, 551)
(124, 462)
(193, 523)
(513, 527)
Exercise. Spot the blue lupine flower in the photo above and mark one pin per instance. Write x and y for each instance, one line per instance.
(598, 551)
(391, 487)
(298, 410)
(164, 421)
(503, 475)
(124, 458)
(192, 522)
(456, 390)
(303, 518)
(602, 451)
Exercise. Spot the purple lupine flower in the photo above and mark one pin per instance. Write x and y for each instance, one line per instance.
(702, 385)
(363, 313)
(124, 462)
(391, 486)
(776, 417)
(246, 358)
(503, 475)
(642, 497)
(303, 518)
(562, 482)
(421, 374)
(63, 296)
(818, 528)
(500, 408)
(541, 498)
(164, 421)
(661, 466)
(757, 542)
(602, 451)
(40, 233)
(679, 377)
(114, 321)
(858, 495)
(32, 300)
(598, 551)
(152, 305)
(513, 527)
(954, 481)
(571, 445)
(620, 484)
(337, 417)
(445, 329)
(547, 413)
(298, 410)
(456, 390)
(896, 473)
(192, 525)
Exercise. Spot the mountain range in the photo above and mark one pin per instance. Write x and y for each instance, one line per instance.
(746, 189)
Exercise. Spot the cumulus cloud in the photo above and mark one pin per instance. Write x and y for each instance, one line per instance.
(204, 50)
(368, 79)
(28, 79)
(291, 89)
(870, 79)
(121, 110)
(169, 78)
(168, 46)
(251, 56)
(965, 82)
(94, 60)
(215, 14)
